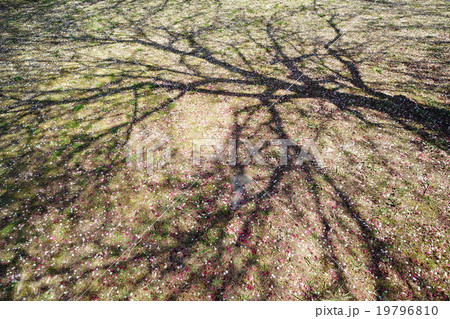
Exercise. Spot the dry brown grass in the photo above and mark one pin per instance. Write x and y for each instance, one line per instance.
(81, 80)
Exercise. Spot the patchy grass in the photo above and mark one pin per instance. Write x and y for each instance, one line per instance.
(366, 81)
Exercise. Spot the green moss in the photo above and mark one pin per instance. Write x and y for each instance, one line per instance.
(7, 229)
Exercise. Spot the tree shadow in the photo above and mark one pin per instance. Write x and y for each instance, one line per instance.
(213, 251)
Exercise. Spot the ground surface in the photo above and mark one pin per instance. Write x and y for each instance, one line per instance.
(365, 80)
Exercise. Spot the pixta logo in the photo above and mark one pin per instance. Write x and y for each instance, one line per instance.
(149, 151)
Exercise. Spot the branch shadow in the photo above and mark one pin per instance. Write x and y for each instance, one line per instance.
(225, 252)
